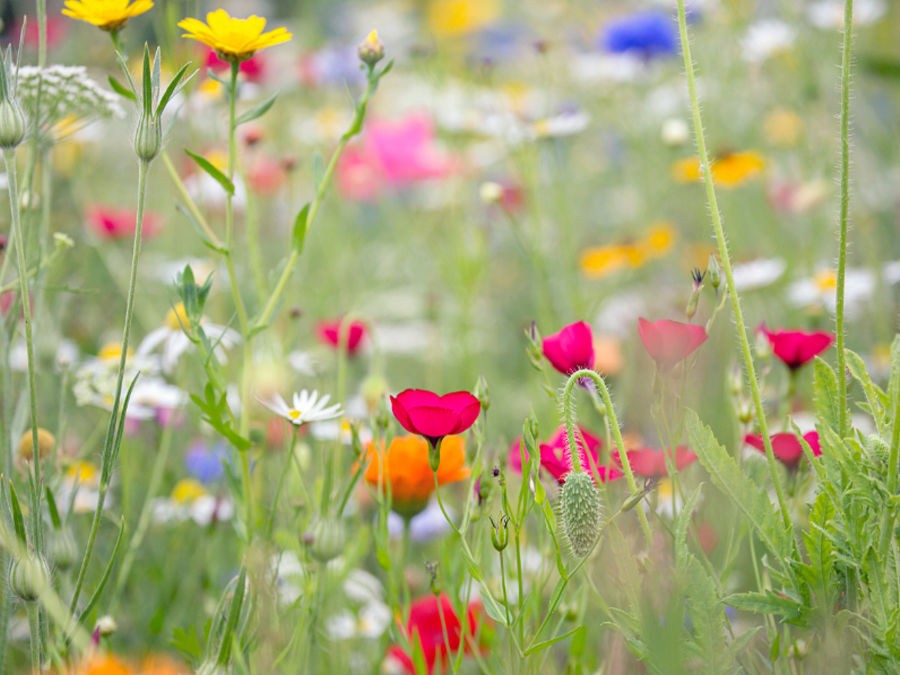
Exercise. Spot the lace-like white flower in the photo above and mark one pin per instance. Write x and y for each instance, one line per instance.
(307, 407)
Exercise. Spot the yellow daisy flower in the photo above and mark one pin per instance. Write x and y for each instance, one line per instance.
(450, 18)
(233, 39)
(728, 170)
(109, 15)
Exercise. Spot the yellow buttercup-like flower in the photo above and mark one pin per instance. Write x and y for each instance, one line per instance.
(728, 170)
(233, 39)
(110, 15)
(601, 261)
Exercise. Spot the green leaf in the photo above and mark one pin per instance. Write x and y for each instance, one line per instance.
(256, 112)
(876, 398)
(18, 520)
(825, 394)
(493, 609)
(196, 225)
(767, 602)
(121, 89)
(147, 83)
(894, 384)
(187, 642)
(214, 173)
(819, 573)
(234, 612)
(747, 496)
(154, 79)
(51, 507)
(543, 644)
(95, 596)
(301, 226)
(174, 87)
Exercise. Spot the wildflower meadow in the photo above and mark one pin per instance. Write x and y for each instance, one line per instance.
(449, 336)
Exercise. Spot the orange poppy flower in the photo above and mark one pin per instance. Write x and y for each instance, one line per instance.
(404, 467)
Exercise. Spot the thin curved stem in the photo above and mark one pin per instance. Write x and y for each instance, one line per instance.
(725, 259)
(568, 410)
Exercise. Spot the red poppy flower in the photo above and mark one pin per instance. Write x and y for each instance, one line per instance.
(115, 223)
(432, 416)
(786, 446)
(570, 349)
(797, 347)
(651, 463)
(555, 456)
(670, 342)
(424, 626)
(329, 333)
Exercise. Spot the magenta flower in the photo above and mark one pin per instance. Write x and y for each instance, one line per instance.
(329, 332)
(570, 349)
(651, 463)
(432, 416)
(796, 347)
(670, 342)
(786, 446)
(555, 456)
(115, 223)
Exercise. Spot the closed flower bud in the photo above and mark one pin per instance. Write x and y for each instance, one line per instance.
(328, 539)
(62, 550)
(878, 448)
(581, 511)
(694, 301)
(12, 124)
(22, 579)
(106, 625)
(147, 138)
(62, 241)
(500, 533)
(713, 273)
(371, 50)
(46, 441)
(483, 393)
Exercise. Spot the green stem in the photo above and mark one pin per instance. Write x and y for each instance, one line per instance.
(568, 409)
(9, 158)
(725, 259)
(156, 475)
(189, 202)
(109, 451)
(294, 256)
(845, 204)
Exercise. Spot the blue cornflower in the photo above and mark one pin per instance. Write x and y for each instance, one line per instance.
(205, 462)
(647, 34)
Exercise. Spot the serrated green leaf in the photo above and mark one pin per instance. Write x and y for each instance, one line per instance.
(256, 111)
(767, 602)
(747, 496)
(825, 394)
(707, 614)
(819, 572)
(213, 172)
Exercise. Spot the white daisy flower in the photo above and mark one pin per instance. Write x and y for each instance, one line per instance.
(766, 38)
(758, 273)
(307, 407)
(830, 13)
(173, 341)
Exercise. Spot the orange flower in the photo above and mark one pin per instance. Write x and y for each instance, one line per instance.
(102, 664)
(405, 469)
(728, 170)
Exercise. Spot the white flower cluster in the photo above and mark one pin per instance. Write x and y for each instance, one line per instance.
(66, 94)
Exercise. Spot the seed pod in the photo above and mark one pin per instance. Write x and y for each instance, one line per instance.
(581, 511)
(328, 539)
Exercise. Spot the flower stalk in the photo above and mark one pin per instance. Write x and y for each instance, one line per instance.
(725, 260)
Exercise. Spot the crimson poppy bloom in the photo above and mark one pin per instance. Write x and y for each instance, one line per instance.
(670, 342)
(786, 446)
(651, 463)
(570, 349)
(424, 626)
(432, 416)
(796, 347)
(555, 456)
(331, 333)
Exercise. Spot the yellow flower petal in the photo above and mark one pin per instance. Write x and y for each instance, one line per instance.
(233, 39)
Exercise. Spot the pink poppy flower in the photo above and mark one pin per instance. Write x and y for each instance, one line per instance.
(392, 155)
(114, 223)
(786, 446)
(670, 342)
(570, 349)
(795, 348)
(555, 456)
(329, 333)
(651, 463)
(432, 416)
(426, 627)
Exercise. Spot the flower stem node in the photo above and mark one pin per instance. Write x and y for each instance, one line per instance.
(328, 539)
(581, 511)
(371, 50)
(22, 576)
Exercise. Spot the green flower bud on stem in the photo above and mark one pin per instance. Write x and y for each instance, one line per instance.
(328, 539)
(500, 533)
(147, 137)
(371, 50)
(12, 124)
(581, 511)
(22, 577)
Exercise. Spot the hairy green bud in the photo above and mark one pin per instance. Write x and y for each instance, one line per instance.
(328, 539)
(147, 137)
(581, 512)
(12, 124)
